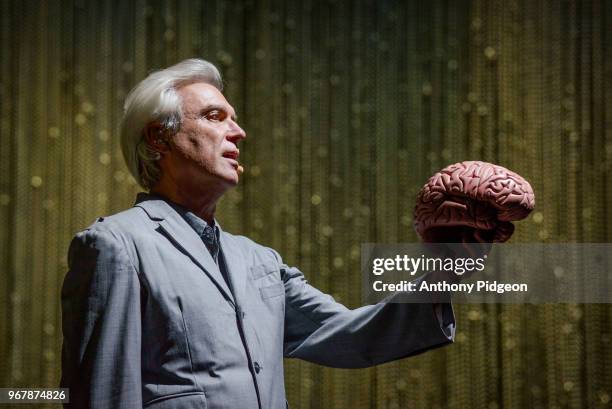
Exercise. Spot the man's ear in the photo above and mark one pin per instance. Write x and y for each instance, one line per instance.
(156, 137)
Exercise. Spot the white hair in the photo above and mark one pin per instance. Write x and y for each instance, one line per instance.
(155, 99)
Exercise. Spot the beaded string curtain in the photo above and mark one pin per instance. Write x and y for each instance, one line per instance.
(349, 107)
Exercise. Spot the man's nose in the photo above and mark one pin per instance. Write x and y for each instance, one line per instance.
(236, 133)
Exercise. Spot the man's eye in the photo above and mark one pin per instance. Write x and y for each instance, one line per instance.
(213, 115)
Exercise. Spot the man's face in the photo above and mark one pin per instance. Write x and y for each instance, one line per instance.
(204, 153)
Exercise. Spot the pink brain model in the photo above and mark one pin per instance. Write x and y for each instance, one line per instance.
(472, 201)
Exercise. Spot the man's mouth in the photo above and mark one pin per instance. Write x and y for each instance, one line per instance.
(231, 155)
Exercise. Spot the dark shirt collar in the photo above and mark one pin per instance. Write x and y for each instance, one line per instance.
(197, 223)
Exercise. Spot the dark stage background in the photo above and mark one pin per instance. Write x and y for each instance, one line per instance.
(349, 107)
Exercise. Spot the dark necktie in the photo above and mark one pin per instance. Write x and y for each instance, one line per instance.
(210, 240)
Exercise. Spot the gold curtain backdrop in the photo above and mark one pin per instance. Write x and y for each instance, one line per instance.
(349, 107)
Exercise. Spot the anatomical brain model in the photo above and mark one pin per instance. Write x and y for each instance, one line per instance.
(472, 201)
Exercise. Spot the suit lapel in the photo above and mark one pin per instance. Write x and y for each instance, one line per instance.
(182, 236)
(236, 264)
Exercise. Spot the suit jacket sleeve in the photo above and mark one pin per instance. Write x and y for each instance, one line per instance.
(320, 330)
(101, 324)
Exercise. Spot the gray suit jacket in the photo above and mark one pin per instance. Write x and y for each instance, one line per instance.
(149, 321)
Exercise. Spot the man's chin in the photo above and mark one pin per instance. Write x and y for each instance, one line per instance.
(231, 180)
(219, 182)
(234, 182)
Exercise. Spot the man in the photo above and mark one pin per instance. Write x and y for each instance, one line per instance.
(163, 309)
